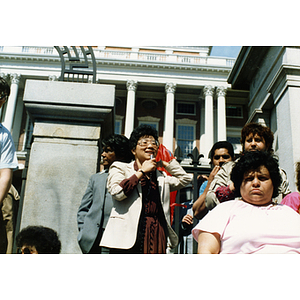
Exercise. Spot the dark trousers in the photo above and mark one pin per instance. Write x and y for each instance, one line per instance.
(96, 249)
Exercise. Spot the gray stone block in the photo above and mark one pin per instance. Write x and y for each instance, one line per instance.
(69, 120)
(69, 101)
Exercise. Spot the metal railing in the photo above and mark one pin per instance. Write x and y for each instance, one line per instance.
(195, 169)
(127, 55)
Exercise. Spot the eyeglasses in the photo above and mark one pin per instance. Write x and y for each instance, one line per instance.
(225, 156)
(144, 143)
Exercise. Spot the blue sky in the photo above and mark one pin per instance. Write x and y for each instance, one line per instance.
(225, 51)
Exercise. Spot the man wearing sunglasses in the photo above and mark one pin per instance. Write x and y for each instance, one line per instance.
(8, 163)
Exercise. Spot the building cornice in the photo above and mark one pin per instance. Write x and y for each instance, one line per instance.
(170, 66)
(287, 75)
(128, 64)
(130, 60)
(28, 57)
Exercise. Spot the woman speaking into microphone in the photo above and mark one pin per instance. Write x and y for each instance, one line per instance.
(140, 218)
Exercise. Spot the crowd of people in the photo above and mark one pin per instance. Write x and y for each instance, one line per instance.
(251, 208)
(244, 205)
(139, 221)
(253, 222)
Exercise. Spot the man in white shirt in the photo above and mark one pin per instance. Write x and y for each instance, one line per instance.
(8, 162)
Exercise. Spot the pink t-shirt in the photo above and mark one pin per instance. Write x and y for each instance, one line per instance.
(245, 228)
(292, 200)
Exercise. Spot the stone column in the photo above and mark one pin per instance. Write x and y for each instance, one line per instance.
(221, 92)
(168, 133)
(209, 119)
(130, 107)
(12, 101)
(69, 120)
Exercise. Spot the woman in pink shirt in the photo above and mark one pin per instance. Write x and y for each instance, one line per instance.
(251, 223)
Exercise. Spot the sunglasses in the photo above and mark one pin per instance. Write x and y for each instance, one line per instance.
(225, 156)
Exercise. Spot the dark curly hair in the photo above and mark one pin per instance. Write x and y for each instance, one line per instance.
(43, 238)
(140, 131)
(262, 131)
(252, 160)
(4, 87)
(120, 145)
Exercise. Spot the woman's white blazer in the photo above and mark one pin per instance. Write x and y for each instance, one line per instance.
(122, 226)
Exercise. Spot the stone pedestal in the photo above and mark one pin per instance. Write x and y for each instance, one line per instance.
(69, 120)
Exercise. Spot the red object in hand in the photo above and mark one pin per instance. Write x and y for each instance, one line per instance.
(166, 155)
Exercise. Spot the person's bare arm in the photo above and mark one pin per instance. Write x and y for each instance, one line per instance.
(199, 204)
(209, 243)
(5, 182)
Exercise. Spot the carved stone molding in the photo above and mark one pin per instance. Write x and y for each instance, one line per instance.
(170, 87)
(221, 91)
(15, 78)
(148, 119)
(52, 78)
(131, 85)
(208, 90)
(185, 121)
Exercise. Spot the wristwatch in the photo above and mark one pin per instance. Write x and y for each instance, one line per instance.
(140, 170)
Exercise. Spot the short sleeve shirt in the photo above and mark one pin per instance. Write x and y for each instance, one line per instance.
(202, 187)
(8, 157)
(245, 228)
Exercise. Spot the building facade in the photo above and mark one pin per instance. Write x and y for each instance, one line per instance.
(190, 97)
(271, 75)
(182, 91)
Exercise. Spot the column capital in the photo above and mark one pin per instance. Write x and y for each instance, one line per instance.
(52, 78)
(131, 85)
(15, 78)
(221, 91)
(208, 90)
(170, 87)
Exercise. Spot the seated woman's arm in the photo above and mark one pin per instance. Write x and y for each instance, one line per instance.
(210, 230)
(209, 243)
